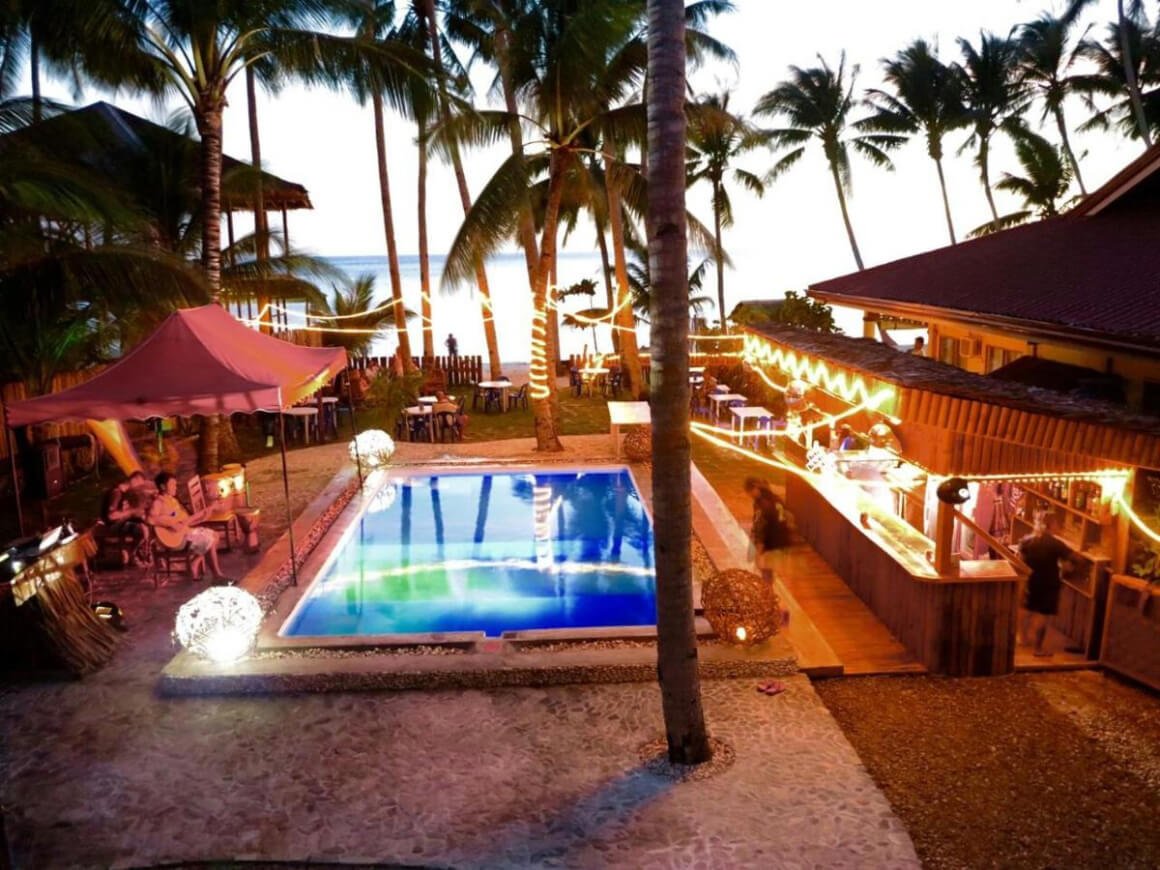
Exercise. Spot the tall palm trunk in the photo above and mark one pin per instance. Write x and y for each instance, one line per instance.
(261, 221)
(34, 73)
(718, 255)
(486, 305)
(1131, 80)
(209, 126)
(1061, 124)
(984, 161)
(624, 321)
(610, 294)
(942, 184)
(389, 231)
(688, 739)
(543, 412)
(424, 252)
(846, 215)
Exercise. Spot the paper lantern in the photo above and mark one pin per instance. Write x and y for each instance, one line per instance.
(374, 448)
(221, 624)
(741, 607)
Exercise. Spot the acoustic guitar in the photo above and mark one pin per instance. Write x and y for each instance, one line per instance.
(173, 539)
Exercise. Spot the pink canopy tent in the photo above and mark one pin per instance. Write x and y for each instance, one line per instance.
(199, 361)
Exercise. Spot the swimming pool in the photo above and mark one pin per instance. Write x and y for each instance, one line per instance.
(488, 551)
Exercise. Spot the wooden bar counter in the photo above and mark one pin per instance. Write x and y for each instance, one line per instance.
(962, 625)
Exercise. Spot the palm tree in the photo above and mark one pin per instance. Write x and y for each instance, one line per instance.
(995, 97)
(1129, 51)
(817, 103)
(1046, 59)
(716, 139)
(1044, 183)
(487, 309)
(363, 319)
(1128, 59)
(688, 739)
(925, 97)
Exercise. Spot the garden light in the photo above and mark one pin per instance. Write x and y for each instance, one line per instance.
(221, 624)
(373, 448)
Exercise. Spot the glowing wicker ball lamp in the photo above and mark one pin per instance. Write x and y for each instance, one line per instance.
(741, 607)
(638, 444)
(220, 624)
(373, 448)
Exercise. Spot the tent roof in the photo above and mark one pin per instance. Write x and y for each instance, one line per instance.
(199, 361)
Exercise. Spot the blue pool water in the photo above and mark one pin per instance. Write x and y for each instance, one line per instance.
(491, 552)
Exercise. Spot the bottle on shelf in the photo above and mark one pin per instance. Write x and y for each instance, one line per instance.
(1081, 496)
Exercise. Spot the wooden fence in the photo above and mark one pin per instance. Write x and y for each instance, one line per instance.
(457, 370)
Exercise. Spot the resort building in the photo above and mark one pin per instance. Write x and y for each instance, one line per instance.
(1071, 302)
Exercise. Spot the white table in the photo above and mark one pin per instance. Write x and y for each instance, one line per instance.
(309, 418)
(421, 411)
(502, 386)
(434, 400)
(719, 399)
(696, 370)
(742, 415)
(627, 414)
(590, 376)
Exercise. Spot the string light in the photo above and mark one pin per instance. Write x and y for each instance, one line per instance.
(1135, 518)
(851, 388)
(538, 368)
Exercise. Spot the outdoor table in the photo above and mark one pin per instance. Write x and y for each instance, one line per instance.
(626, 414)
(433, 400)
(742, 415)
(594, 375)
(501, 387)
(421, 411)
(696, 370)
(309, 418)
(721, 400)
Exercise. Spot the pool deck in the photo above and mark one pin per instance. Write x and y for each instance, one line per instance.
(106, 772)
(466, 660)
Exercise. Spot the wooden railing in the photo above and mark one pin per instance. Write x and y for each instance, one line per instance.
(457, 370)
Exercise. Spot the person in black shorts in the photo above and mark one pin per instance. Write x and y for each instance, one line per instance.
(124, 515)
(1042, 551)
(770, 529)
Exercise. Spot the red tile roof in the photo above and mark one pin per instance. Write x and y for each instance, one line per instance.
(1095, 270)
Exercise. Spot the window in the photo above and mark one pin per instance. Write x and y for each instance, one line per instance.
(997, 357)
(948, 351)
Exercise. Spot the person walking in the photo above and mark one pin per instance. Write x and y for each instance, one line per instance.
(770, 530)
(452, 344)
(1043, 552)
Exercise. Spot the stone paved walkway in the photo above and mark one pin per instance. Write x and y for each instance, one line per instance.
(104, 772)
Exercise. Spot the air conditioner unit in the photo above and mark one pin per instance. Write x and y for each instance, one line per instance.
(970, 347)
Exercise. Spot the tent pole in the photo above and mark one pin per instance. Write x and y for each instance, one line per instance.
(11, 445)
(354, 431)
(286, 495)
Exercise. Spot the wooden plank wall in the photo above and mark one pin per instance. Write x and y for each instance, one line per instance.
(993, 435)
(63, 381)
(955, 627)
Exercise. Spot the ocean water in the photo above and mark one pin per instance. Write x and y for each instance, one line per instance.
(459, 312)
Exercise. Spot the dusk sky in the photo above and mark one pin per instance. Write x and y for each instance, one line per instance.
(794, 235)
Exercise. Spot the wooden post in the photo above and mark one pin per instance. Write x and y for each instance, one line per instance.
(944, 530)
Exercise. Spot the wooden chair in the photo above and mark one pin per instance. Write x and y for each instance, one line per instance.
(226, 521)
(166, 558)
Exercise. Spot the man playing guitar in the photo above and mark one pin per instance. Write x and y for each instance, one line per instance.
(175, 528)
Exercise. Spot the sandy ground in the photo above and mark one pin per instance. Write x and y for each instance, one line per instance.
(1032, 770)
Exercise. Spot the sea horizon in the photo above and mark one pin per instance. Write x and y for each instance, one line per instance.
(458, 312)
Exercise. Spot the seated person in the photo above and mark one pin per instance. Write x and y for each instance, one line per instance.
(180, 527)
(444, 405)
(123, 513)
